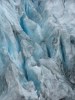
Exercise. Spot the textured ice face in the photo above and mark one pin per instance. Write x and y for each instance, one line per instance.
(37, 49)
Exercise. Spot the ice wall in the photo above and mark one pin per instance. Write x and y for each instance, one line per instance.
(37, 50)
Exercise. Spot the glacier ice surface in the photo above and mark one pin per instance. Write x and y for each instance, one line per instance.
(37, 50)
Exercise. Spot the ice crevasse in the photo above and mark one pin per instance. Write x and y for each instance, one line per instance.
(37, 50)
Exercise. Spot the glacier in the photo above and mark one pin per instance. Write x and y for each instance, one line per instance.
(37, 49)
